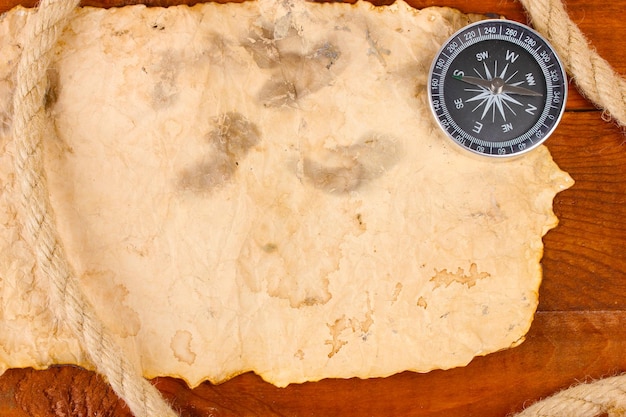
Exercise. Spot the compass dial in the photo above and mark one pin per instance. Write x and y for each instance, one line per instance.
(497, 88)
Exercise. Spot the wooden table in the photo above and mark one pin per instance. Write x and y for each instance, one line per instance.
(579, 331)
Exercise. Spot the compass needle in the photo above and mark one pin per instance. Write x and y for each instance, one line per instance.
(480, 82)
(513, 99)
(515, 89)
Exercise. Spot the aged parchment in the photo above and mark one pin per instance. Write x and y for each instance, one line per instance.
(261, 186)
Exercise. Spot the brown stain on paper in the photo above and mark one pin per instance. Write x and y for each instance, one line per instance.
(396, 292)
(181, 347)
(347, 168)
(293, 75)
(125, 322)
(353, 324)
(231, 139)
(445, 278)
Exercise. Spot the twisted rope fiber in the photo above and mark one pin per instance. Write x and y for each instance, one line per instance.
(593, 75)
(40, 35)
(605, 396)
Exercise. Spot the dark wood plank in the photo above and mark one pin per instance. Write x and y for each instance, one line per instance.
(585, 259)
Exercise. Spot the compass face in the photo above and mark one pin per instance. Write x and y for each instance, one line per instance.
(497, 88)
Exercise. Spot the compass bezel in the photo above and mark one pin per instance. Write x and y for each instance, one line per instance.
(544, 56)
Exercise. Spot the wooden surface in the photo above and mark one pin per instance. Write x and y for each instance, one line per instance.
(578, 333)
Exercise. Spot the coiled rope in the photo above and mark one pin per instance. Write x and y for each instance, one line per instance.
(593, 75)
(40, 34)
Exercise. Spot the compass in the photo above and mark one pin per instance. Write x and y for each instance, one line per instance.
(497, 88)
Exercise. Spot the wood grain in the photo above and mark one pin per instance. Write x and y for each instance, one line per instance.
(577, 333)
(584, 261)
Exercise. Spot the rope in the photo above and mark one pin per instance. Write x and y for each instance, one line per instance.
(593, 75)
(604, 397)
(40, 35)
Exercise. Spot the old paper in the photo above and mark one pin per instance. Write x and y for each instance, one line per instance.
(261, 187)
